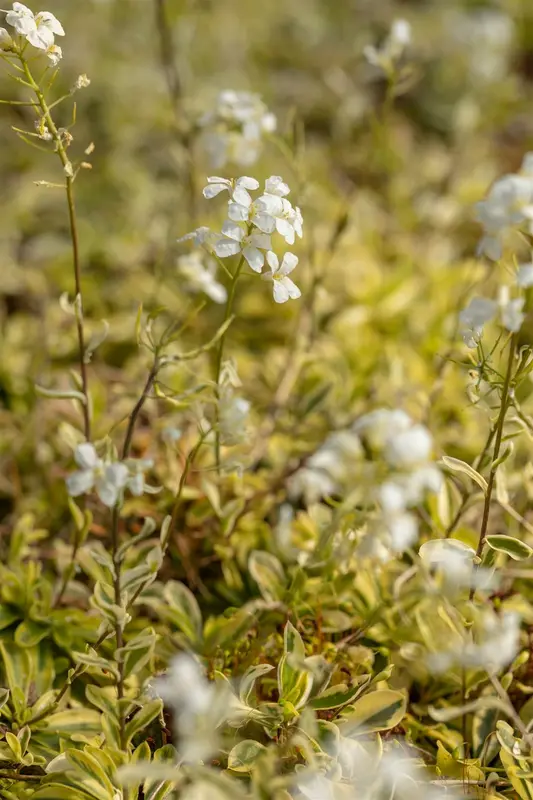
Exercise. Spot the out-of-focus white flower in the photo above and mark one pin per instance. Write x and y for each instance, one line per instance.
(480, 311)
(81, 82)
(392, 48)
(283, 287)
(235, 240)
(233, 414)
(508, 205)
(202, 278)
(494, 644)
(273, 212)
(234, 129)
(198, 706)
(455, 561)
(107, 478)
(201, 237)
(39, 29)
(409, 448)
(377, 427)
(524, 276)
(6, 42)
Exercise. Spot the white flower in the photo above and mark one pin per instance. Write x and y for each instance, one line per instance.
(274, 212)
(392, 48)
(233, 413)
(201, 236)
(55, 54)
(478, 312)
(511, 313)
(509, 204)
(136, 469)
(524, 276)
(409, 448)
(107, 478)
(82, 82)
(234, 129)
(378, 426)
(6, 42)
(238, 189)
(283, 287)
(401, 32)
(39, 29)
(235, 240)
(201, 278)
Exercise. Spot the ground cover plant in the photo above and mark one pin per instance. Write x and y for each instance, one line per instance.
(266, 425)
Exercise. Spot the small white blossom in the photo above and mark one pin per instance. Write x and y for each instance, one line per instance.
(107, 478)
(274, 212)
(235, 240)
(409, 448)
(238, 189)
(282, 286)
(480, 311)
(136, 469)
(82, 82)
(54, 54)
(377, 427)
(495, 644)
(39, 29)
(392, 48)
(6, 42)
(508, 205)
(234, 129)
(201, 278)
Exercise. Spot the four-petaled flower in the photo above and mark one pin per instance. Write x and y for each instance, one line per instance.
(39, 29)
(236, 240)
(107, 478)
(282, 286)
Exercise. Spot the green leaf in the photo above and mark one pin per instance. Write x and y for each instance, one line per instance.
(30, 633)
(142, 719)
(89, 766)
(102, 697)
(339, 695)
(512, 547)
(376, 711)
(267, 572)
(456, 465)
(186, 613)
(249, 679)
(243, 756)
(74, 720)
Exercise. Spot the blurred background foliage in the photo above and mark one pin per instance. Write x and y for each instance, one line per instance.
(387, 189)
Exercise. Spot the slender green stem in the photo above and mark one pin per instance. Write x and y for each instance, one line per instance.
(505, 399)
(16, 776)
(220, 356)
(67, 168)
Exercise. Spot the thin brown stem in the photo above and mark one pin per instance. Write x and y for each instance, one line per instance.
(497, 446)
(69, 180)
(138, 408)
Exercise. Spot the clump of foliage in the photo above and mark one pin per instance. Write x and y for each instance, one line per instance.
(265, 438)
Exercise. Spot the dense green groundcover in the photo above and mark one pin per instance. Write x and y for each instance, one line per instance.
(252, 548)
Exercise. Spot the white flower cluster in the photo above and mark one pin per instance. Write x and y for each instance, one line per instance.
(406, 448)
(234, 128)
(108, 478)
(480, 310)
(39, 30)
(453, 562)
(392, 48)
(329, 469)
(248, 230)
(494, 644)
(198, 706)
(509, 205)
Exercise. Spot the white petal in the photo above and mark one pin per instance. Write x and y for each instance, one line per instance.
(80, 482)
(215, 186)
(280, 291)
(524, 277)
(273, 261)
(276, 185)
(241, 196)
(107, 492)
(85, 456)
(238, 212)
(285, 229)
(261, 240)
(292, 290)
(270, 204)
(264, 222)
(227, 247)
(233, 231)
(117, 474)
(288, 264)
(42, 38)
(247, 183)
(254, 257)
(136, 484)
(51, 22)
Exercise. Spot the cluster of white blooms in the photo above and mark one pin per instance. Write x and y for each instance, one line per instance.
(108, 478)
(392, 48)
(508, 206)
(329, 469)
(248, 230)
(494, 643)
(202, 278)
(198, 706)
(39, 30)
(406, 448)
(357, 769)
(234, 128)
(480, 310)
(453, 560)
